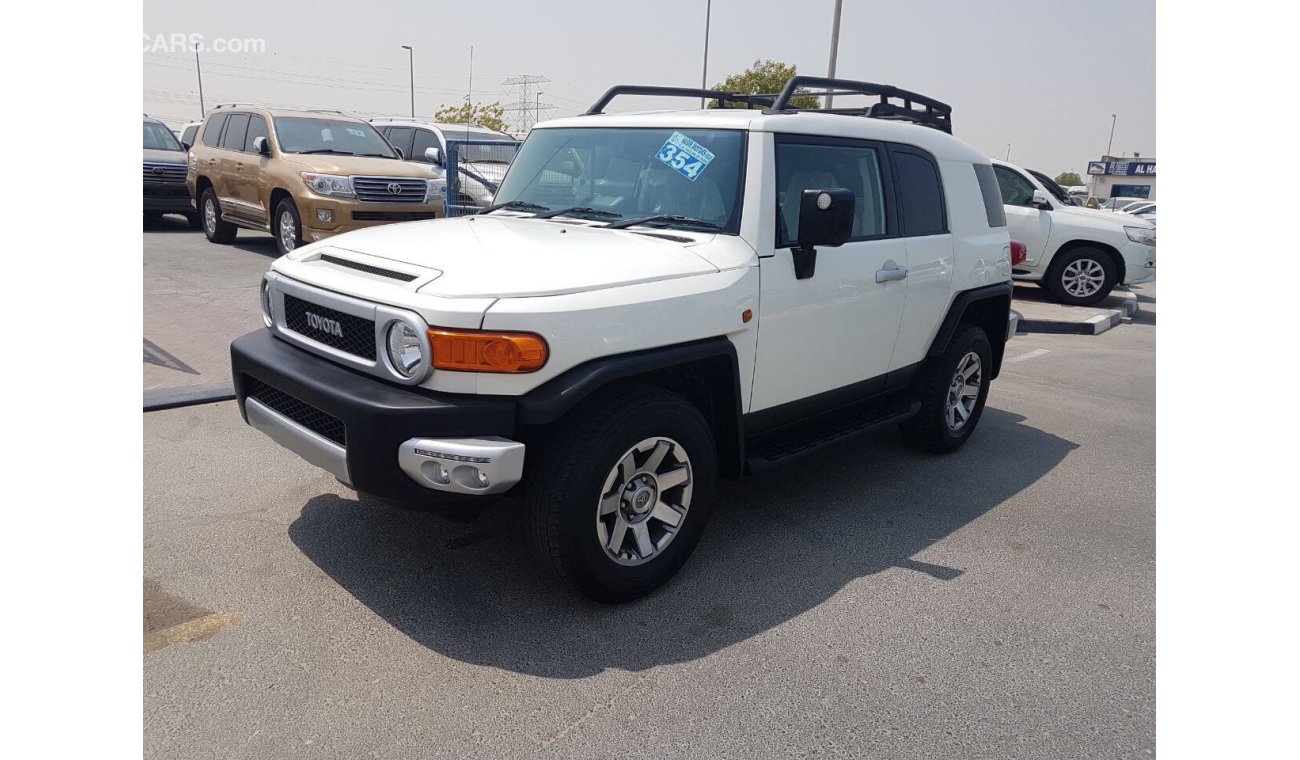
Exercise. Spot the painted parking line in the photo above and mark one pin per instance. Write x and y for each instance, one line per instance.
(1030, 355)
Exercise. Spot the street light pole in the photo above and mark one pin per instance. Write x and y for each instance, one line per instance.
(198, 70)
(1111, 141)
(704, 66)
(1008, 158)
(835, 47)
(411, 50)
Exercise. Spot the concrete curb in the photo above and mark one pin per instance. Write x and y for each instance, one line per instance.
(186, 395)
(1091, 326)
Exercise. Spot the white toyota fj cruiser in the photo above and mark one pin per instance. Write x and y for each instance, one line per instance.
(654, 300)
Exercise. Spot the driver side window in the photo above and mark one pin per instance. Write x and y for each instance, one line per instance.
(818, 164)
(1016, 190)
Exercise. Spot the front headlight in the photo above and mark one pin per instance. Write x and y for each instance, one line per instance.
(1143, 235)
(404, 349)
(329, 184)
(437, 190)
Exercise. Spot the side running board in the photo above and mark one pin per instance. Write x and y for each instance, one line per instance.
(782, 446)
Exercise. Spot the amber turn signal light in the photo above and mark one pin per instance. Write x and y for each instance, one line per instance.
(479, 351)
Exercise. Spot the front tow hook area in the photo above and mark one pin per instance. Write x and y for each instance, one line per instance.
(470, 466)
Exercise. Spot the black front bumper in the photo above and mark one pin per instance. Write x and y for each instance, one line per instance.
(376, 417)
(168, 198)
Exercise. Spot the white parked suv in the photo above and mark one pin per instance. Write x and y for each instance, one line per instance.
(656, 299)
(1078, 254)
(481, 162)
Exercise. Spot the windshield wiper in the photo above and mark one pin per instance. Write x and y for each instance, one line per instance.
(671, 218)
(373, 155)
(326, 150)
(587, 210)
(521, 205)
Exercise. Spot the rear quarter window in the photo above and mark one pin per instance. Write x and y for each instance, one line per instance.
(920, 194)
(997, 216)
(212, 131)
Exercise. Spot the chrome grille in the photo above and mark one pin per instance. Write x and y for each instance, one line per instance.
(166, 173)
(389, 189)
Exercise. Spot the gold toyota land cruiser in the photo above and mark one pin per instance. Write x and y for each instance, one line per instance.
(302, 176)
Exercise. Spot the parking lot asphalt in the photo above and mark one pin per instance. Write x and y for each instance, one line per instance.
(871, 602)
(198, 296)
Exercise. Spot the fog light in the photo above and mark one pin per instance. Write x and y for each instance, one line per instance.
(482, 479)
(324, 215)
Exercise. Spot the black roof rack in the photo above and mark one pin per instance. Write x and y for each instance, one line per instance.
(931, 113)
(914, 107)
(750, 101)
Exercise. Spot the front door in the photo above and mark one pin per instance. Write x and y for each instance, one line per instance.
(838, 327)
(1025, 221)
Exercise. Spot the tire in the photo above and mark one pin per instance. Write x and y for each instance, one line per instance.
(152, 216)
(286, 226)
(215, 228)
(940, 393)
(581, 473)
(1081, 276)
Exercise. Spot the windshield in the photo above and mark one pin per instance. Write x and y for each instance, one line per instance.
(1056, 190)
(299, 134)
(613, 173)
(159, 137)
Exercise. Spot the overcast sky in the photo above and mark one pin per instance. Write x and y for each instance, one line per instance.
(1042, 76)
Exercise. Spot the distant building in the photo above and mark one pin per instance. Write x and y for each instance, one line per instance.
(1122, 177)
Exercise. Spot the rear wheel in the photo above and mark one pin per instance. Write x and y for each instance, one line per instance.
(215, 228)
(622, 493)
(1081, 276)
(954, 387)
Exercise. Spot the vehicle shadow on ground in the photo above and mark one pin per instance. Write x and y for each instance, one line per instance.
(170, 223)
(778, 545)
(256, 242)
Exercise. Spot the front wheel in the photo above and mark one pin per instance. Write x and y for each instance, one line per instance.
(1081, 276)
(621, 493)
(953, 387)
(287, 227)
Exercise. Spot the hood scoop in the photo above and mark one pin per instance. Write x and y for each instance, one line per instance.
(368, 268)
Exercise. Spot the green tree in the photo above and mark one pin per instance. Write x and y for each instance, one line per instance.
(764, 77)
(1069, 179)
(492, 116)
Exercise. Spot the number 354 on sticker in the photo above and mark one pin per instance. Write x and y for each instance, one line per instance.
(686, 156)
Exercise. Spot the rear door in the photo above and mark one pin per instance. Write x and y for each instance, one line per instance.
(231, 165)
(837, 328)
(1025, 221)
(923, 224)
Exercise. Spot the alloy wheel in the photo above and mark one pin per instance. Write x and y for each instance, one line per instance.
(288, 231)
(1083, 277)
(209, 216)
(963, 391)
(645, 501)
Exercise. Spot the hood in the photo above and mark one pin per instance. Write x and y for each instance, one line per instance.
(157, 156)
(324, 163)
(1097, 217)
(502, 256)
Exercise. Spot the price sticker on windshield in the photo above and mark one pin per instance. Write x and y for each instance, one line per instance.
(687, 157)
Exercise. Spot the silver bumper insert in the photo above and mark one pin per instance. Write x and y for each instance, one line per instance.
(308, 444)
(471, 466)
(1013, 323)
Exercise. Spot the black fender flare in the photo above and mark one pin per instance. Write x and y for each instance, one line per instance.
(714, 357)
(998, 298)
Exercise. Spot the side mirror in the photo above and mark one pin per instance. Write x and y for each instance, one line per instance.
(400, 154)
(825, 218)
(433, 156)
(185, 145)
(262, 146)
(1040, 201)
